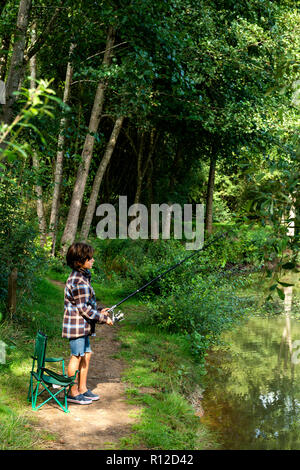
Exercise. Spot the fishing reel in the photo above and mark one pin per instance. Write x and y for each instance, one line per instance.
(116, 317)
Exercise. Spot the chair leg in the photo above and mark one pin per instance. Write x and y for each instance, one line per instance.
(35, 393)
(53, 396)
(29, 389)
(66, 401)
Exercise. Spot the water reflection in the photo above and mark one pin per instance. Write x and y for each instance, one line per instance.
(286, 347)
(253, 395)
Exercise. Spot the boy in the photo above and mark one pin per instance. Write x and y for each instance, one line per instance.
(80, 316)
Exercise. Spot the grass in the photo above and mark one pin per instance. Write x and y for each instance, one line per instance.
(18, 423)
(162, 378)
(167, 422)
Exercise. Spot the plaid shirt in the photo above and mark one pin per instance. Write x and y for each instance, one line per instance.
(80, 309)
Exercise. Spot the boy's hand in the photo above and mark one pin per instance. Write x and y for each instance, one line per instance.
(104, 310)
(108, 320)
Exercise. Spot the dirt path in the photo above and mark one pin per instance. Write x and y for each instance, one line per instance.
(103, 423)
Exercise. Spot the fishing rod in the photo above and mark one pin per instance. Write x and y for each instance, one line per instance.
(116, 317)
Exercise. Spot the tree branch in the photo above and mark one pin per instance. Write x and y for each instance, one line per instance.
(102, 52)
(42, 38)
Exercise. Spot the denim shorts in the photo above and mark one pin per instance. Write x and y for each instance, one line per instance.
(80, 346)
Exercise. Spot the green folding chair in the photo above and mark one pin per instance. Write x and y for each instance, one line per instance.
(46, 378)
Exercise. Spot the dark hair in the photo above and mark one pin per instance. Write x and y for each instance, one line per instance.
(78, 253)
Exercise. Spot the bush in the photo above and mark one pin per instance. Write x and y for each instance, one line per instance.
(136, 261)
(19, 242)
(201, 307)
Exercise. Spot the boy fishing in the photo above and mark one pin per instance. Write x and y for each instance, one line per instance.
(80, 315)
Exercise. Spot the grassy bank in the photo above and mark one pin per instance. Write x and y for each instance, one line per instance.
(164, 379)
(161, 375)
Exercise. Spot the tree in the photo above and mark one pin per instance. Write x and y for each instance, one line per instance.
(16, 63)
(35, 160)
(87, 152)
(90, 210)
(60, 156)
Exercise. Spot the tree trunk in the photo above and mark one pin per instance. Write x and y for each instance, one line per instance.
(210, 194)
(87, 152)
(15, 69)
(12, 292)
(297, 216)
(98, 178)
(39, 203)
(35, 160)
(3, 56)
(141, 171)
(59, 159)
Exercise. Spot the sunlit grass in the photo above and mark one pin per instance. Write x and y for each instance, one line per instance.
(161, 375)
(45, 312)
(168, 421)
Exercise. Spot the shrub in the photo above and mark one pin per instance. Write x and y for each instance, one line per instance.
(201, 307)
(19, 243)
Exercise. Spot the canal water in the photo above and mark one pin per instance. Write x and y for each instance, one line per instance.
(252, 397)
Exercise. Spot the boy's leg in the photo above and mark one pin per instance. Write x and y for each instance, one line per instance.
(83, 372)
(73, 366)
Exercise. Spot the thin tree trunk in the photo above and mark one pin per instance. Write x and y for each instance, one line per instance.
(98, 178)
(141, 172)
(15, 69)
(35, 160)
(297, 216)
(139, 169)
(291, 219)
(12, 292)
(39, 203)
(59, 158)
(210, 194)
(87, 152)
(3, 56)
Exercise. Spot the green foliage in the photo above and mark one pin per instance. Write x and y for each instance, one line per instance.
(202, 307)
(201, 298)
(35, 102)
(18, 239)
(19, 229)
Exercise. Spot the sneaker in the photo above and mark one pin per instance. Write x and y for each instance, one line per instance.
(90, 395)
(79, 400)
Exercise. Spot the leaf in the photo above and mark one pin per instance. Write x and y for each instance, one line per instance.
(285, 284)
(280, 293)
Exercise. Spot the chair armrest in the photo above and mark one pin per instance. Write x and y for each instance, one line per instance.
(54, 359)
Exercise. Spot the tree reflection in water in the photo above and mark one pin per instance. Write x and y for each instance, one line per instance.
(252, 398)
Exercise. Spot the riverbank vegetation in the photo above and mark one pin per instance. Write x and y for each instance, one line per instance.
(167, 103)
